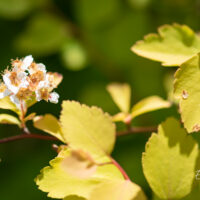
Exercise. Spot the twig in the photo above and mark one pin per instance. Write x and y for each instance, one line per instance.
(134, 130)
(25, 136)
(43, 137)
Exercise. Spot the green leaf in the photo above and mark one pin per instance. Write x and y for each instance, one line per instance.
(117, 190)
(13, 9)
(17, 9)
(48, 123)
(187, 90)
(87, 128)
(6, 103)
(169, 87)
(149, 104)
(99, 15)
(169, 161)
(121, 95)
(44, 35)
(139, 4)
(172, 46)
(9, 119)
(74, 55)
(59, 184)
(73, 197)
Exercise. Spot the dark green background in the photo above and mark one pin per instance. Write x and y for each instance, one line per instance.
(102, 32)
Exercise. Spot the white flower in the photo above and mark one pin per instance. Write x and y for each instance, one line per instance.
(21, 77)
(42, 84)
(37, 67)
(16, 101)
(42, 67)
(53, 98)
(28, 79)
(26, 62)
(45, 83)
(24, 84)
(38, 95)
(9, 85)
(4, 93)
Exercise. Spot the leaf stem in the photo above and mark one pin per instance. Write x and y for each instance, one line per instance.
(125, 175)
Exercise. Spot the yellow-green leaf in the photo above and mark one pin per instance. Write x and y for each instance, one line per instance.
(169, 87)
(121, 95)
(48, 123)
(117, 190)
(55, 180)
(9, 119)
(169, 161)
(87, 128)
(149, 104)
(172, 46)
(30, 117)
(30, 102)
(119, 117)
(194, 195)
(6, 103)
(187, 90)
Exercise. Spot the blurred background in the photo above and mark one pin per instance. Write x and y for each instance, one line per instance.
(88, 41)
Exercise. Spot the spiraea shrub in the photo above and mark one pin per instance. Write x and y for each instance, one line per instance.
(84, 167)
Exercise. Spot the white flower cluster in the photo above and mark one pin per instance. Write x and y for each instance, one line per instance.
(27, 80)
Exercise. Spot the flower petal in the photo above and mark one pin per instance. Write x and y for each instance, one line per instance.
(9, 85)
(27, 62)
(53, 98)
(41, 67)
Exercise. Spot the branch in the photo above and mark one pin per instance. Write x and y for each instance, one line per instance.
(134, 130)
(25, 136)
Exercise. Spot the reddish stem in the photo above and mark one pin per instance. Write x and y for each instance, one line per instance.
(133, 130)
(126, 177)
(23, 113)
(25, 135)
